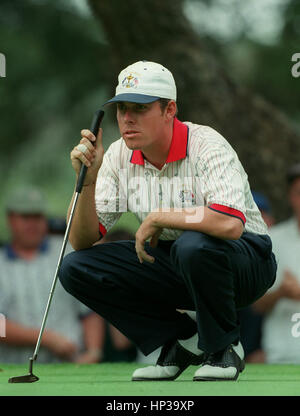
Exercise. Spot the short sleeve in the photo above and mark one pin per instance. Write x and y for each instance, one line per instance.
(221, 178)
(107, 194)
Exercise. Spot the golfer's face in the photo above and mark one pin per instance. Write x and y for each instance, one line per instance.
(140, 124)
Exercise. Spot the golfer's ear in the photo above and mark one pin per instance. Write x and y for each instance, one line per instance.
(171, 110)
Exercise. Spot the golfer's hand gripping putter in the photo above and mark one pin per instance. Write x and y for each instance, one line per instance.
(94, 129)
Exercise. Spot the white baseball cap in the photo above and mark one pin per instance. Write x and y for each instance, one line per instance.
(144, 82)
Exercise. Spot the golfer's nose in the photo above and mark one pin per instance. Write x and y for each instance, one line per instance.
(128, 117)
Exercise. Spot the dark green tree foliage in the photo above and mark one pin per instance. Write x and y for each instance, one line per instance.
(53, 64)
(157, 30)
(271, 75)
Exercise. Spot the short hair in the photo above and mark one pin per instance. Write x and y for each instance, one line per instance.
(163, 102)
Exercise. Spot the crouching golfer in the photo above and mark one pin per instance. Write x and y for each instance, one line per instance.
(202, 245)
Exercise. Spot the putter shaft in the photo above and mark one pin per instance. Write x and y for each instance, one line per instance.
(62, 252)
(29, 378)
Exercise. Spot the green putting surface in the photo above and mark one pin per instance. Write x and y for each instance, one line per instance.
(114, 380)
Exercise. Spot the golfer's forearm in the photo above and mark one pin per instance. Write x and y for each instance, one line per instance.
(84, 231)
(200, 219)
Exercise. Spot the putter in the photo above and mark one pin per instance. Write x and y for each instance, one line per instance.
(30, 377)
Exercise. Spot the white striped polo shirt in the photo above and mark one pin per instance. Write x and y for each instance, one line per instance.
(201, 169)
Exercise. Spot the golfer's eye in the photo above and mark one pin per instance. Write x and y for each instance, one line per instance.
(121, 107)
(136, 108)
(140, 107)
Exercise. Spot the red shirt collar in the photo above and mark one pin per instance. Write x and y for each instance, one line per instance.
(178, 148)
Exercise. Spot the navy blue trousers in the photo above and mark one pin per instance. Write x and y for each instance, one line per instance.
(196, 272)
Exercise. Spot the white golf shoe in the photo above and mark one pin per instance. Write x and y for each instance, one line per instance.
(224, 365)
(173, 360)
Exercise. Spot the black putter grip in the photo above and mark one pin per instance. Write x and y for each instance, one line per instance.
(98, 116)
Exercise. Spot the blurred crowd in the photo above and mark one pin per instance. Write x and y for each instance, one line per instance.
(270, 328)
(28, 262)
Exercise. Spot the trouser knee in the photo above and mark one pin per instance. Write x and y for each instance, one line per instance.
(193, 251)
(67, 271)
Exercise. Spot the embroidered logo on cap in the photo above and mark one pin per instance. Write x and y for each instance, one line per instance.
(130, 82)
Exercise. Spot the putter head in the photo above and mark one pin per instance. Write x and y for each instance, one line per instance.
(28, 378)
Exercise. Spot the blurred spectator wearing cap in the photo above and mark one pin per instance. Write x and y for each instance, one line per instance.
(282, 301)
(251, 319)
(27, 267)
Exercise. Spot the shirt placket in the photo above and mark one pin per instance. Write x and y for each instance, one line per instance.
(148, 177)
(152, 172)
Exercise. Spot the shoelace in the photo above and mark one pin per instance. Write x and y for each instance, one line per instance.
(214, 358)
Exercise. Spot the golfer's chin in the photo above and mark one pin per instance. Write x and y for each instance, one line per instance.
(132, 144)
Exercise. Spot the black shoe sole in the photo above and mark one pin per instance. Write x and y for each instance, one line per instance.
(214, 379)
